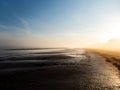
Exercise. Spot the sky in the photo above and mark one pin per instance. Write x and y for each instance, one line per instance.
(58, 23)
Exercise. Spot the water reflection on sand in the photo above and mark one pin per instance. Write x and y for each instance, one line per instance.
(67, 69)
(28, 59)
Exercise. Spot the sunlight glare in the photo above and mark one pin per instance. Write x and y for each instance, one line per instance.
(112, 28)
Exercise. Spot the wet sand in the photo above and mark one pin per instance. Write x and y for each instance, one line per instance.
(89, 72)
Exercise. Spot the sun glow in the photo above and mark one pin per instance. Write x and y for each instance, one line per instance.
(112, 29)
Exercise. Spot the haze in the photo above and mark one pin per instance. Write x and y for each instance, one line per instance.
(58, 23)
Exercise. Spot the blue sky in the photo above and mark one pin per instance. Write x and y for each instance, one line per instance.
(46, 23)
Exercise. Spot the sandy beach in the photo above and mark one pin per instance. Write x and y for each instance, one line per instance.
(74, 71)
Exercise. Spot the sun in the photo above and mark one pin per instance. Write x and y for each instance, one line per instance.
(111, 29)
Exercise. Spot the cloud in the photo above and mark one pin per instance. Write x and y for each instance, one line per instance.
(25, 24)
(12, 29)
(13, 36)
(23, 28)
(23, 21)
